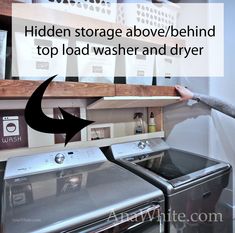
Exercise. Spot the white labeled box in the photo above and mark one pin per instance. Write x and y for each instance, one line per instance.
(139, 69)
(167, 66)
(3, 47)
(32, 66)
(102, 10)
(95, 68)
(23, 1)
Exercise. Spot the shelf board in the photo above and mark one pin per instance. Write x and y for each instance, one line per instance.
(24, 89)
(5, 154)
(5, 6)
(133, 102)
(144, 90)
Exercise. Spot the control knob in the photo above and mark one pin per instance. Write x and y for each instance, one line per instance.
(59, 158)
(141, 145)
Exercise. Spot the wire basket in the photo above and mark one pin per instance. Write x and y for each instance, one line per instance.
(99, 9)
(147, 14)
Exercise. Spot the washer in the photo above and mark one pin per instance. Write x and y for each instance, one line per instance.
(195, 186)
(77, 191)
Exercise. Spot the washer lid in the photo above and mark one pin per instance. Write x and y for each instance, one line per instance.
(179, 167)
(62, 199)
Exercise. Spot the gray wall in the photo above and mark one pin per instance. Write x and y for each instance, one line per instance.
(187, 124)
(196, 128)
(222, 127)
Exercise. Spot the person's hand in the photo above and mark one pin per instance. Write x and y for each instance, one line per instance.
(184, 92)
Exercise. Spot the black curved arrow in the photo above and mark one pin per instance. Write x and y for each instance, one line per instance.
(36, 119)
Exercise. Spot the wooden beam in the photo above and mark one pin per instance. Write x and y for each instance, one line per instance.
(5, 6)
(141, 90)
(24, 89)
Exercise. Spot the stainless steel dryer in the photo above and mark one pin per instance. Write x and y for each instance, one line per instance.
(77, 191)
(198, 192)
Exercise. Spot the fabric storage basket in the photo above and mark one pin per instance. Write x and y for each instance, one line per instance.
(140, 65)
(103, 10)
(147, 14)
(38, 67)
(167, 66)
(95, 68)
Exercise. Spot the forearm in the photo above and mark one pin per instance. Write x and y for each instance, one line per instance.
(217, 104)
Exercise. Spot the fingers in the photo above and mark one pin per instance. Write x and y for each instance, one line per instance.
(180, 88)
(182, 91)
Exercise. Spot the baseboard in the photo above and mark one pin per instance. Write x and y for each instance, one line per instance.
(233, 212)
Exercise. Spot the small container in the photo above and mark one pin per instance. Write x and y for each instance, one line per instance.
(152, 124)
(139, 123)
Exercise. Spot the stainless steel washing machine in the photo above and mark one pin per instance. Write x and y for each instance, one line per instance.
(198, 192)
(77, 191)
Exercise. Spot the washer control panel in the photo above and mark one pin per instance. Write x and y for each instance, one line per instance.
(142, 148)
(32, 164)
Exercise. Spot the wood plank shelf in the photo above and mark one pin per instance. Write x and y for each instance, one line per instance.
(11, 89)
(22, 89)
(143, 90)
(5, 6)
(133, 102)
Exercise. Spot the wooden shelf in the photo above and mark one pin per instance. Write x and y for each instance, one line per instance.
(133, 102)
(141, 90)
(5, 6)
(22, 89)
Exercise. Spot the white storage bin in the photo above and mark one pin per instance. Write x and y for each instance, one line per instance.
(32, 66)
(99, 9)
(142, 67)
(167, 66)
(23, 1)
(147, 14)
(95, 68)
(3, 47)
